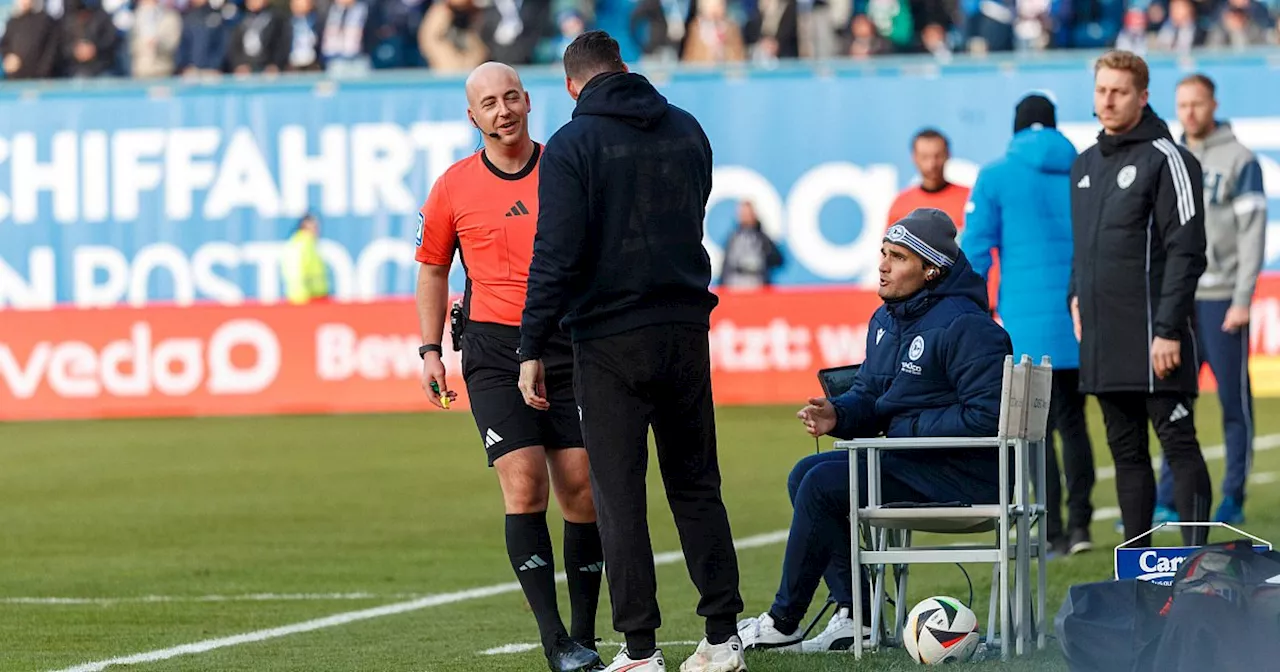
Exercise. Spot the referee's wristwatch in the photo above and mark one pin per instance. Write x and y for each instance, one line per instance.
(430, 347)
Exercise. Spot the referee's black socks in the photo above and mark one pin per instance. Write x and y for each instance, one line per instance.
(584, 565)
(529, 546)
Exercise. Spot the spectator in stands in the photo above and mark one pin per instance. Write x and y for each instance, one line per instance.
(1135, 36)
(659, 26)
(1021, 209)
(865, 39)
(306, 277)
(934, 40)
(88, 39)
(1237, 30)
(1034, 24)
(450, 36)
(750, 255)
(393, 27)
(714, 36)
(990, 25)
(205, 34)
(934, 19)
(343, 41)
(512, 29)
(261, 42)
(1181, 32)
(304, 53)
(930, 151)
(773, 31)
(153, 42)
(571, 24)
(1086, 24)
(29, 47)
(934, 367)
(893, 20)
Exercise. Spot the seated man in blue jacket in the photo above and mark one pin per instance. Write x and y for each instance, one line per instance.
(934, 367)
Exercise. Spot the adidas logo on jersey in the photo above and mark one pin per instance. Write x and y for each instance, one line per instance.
(517, 210)
(1083, 183)
(491, 438)
(534, 562)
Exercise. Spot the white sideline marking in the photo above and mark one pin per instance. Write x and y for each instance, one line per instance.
(509, 648)
(376, 612)
(521, 647)
(252, 597)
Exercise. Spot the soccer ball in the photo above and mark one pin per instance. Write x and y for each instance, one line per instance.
(941, 630)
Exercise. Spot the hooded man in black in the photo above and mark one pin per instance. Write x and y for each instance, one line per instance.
(1137, 216)
(618, 255)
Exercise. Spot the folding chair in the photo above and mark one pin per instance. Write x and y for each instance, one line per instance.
(1024, 409)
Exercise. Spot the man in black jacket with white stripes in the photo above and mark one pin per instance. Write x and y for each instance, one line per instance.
(1138, 219)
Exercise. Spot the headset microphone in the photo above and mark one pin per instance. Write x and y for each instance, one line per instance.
(492, 134)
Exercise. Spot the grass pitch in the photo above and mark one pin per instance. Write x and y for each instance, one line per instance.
(125, 537)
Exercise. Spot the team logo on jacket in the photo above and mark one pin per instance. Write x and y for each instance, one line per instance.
(917, 348)
(1126, 176)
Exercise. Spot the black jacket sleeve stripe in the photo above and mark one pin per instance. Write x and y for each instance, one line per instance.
(1181, 180)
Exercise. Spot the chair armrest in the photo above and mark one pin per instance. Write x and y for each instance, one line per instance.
(916, 443)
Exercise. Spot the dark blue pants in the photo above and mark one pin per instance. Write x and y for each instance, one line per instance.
(1228, 358)
(818, 545)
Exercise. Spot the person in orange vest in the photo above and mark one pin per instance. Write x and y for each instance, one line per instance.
(930, 151)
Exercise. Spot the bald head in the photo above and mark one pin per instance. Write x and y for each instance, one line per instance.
(498, 104)
(491, 78)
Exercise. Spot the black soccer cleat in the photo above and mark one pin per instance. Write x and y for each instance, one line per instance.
(567, 655)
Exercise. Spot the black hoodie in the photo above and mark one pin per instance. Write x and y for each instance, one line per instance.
(622, 192)
(1137, 216)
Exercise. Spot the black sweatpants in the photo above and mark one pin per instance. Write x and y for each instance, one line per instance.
(658, 375)
(1126, 415)
(1067, 416)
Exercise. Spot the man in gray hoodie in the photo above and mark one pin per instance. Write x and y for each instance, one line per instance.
(1235, 225)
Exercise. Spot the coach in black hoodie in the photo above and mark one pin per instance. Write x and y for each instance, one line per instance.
(622, 194)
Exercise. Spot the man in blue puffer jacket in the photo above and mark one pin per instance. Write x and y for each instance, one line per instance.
(934, 367)
(1021, 207)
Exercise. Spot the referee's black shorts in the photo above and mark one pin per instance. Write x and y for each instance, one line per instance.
(491, 371)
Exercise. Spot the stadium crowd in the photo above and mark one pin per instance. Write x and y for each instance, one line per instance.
(160, 38)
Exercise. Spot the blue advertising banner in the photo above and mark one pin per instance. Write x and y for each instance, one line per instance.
(126, 194)
(1157, 565)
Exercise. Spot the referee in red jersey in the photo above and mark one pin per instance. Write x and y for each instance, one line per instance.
(486, 206)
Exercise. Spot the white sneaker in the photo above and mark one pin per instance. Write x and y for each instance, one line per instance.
(726, 657)
(759, 633)
(838, 636)
(623, 663)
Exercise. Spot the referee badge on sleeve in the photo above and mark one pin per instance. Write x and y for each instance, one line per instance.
(421, 224)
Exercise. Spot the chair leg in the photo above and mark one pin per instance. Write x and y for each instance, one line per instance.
(1043, 619)
(855, 552)
(1023, 573)
(1004, 594)
(993, 635)
(903, 607)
